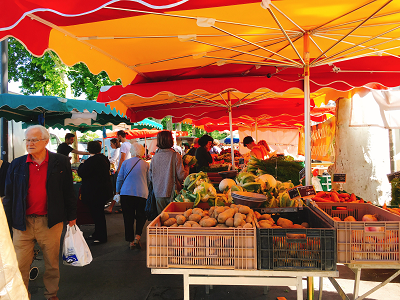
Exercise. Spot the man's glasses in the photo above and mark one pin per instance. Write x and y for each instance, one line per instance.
(32, 140)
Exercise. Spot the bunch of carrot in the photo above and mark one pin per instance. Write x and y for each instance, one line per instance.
(334, 196)
(392, 210)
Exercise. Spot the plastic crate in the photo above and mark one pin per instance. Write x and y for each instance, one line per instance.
(315, 251)
(200, 247)
(356, 243)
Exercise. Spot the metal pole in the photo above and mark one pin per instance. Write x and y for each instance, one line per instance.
(230, 129)
(307, 136)
(4, 90)
(392, 152)
(256, 129)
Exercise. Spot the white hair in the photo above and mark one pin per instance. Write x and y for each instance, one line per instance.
(137, 150)
(45, 133)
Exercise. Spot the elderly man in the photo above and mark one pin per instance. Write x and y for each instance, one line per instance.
(39, 196)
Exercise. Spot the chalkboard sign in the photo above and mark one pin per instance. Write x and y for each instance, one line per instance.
(339, 178)
(293, 193)
(306, 191)
(393, 176)
(302, 173)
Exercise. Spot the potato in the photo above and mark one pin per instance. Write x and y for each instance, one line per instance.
(217, 211)
(233, 205)
(285, 223)
(265, 217)
(257, 215)
(237, 219)
(187, 224)
(305, 224)
(244, 210)
(239, 226)
(208, 222)
(249, 218)
(205, 213)
(297, 226)
(229, 222)
(194, 224)
(222, 217)
(187, 213)
(248, 225)
(174, 225)
(211, 210)
(197, 211)
(194, 217)
(243, 223)
(164, 217)
(226, 207)
(180, 219)
(170, 222)
(206, 217)
(222, 225)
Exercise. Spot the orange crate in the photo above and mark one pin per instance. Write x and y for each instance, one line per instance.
(200, 247)
(363, 241)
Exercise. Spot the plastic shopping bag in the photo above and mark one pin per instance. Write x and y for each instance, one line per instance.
(75, 250)
(116, 198)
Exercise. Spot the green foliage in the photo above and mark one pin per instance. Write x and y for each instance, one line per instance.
(88, 137)
(395, 191)
(47, 74)
(216, 135)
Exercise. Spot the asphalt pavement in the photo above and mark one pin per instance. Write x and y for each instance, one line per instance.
(119, 273)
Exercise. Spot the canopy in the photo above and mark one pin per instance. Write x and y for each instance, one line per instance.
(146, 124)
(135, 134)
(216, 38)
(82, 115)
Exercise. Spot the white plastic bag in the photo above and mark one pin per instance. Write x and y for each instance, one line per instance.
(76, 252)
(116, 198)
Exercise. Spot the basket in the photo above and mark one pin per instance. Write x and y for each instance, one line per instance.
(363, 242)
(315, 250)
(210, 248)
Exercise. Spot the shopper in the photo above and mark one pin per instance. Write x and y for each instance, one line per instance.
(96, 189)
(192, 150)
(124, 154)
(39, 196)
(203, 156)
(66, 149)
(114, 159)
(166, 170)
(257, 151)
(215, 149)
(132, 185)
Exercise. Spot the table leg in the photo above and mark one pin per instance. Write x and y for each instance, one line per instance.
(266, 289)
(310, 288)
(186, 287)
(207, 289)
(357, 273)
(379, 285)
(338, 288)
(299, 288)
(321, 283)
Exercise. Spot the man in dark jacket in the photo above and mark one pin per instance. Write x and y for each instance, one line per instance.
(39, 197)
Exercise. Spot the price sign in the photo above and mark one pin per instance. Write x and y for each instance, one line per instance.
(339, 178)
(306, 191)
(393, 176)
(302, 173)
(293, 193)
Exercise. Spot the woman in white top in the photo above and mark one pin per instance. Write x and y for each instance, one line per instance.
(114, 159)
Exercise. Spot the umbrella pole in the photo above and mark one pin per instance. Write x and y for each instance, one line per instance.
(256, 129)
(230, 129)
(145, 146)
(307, 135)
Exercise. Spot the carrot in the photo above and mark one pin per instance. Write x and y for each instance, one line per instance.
(384, 206)
(344, 195)
(362, 201)
(333, 191)
(341, 208)
(321, 194)
(319, 199)
(335, 198)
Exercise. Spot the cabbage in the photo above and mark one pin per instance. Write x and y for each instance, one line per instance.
(205, 190)
(268, 180)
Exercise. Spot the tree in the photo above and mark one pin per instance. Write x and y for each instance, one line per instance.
(88, 137)
(47, 74)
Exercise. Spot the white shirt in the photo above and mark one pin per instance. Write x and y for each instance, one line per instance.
(114, 159)
(125, 148)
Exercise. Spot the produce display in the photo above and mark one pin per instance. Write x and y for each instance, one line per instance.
(189, 160)
(217, 167)
(75, 176)
(225, 156)
(238, 216)
(337, 196)
(198, 188)
(266, 221)
(285, 169)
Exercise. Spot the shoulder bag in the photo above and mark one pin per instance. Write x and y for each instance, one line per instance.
(117, 196)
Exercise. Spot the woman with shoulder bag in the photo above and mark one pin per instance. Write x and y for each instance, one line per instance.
(132, 185)
(166, 170)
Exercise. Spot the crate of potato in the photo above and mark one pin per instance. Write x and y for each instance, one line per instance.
(365, 233)
(294, 241)
(217, 238)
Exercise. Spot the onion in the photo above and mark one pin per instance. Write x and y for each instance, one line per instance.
(369, 218)
(374, 229)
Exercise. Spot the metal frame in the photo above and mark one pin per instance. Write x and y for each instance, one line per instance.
(247, 278)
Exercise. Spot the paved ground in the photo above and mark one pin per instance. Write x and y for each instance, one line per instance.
(119, 273)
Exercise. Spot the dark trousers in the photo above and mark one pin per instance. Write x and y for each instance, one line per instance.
(133, 208)
(100, 226)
